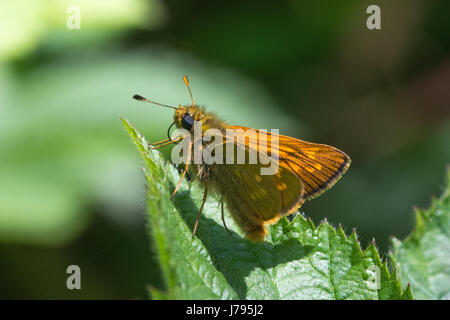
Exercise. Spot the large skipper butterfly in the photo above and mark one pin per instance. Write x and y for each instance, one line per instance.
(254, 198)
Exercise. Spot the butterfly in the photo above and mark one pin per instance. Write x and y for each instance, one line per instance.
(304, 170)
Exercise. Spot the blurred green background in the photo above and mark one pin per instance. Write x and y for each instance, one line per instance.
(71, 187)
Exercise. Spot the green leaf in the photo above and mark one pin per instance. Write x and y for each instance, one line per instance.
(423, 258)
(298, 260)
(186, 264)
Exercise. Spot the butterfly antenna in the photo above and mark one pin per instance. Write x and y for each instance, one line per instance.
(186, 82)
(141, 98)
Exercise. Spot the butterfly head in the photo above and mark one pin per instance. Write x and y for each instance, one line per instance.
(185, 116)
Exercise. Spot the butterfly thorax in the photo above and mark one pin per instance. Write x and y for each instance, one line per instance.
(185, 117)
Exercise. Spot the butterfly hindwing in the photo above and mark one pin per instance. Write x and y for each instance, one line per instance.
(255, 200)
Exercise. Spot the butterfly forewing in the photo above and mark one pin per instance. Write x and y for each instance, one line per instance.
(318, 166)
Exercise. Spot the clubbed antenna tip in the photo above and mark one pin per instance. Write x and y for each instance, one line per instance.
(138, 97)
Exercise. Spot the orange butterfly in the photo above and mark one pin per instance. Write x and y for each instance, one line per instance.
(304, 170)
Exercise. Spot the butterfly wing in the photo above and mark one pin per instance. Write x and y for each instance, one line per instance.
(318, 166)
(255, 200)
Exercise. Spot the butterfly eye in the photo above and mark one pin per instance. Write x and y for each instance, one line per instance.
(187, 122)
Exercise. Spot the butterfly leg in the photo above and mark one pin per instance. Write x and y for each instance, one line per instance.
(159, 142)
(205, 194)
(160, 146)
(187, 160)
(163, 143)
(223, 218)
